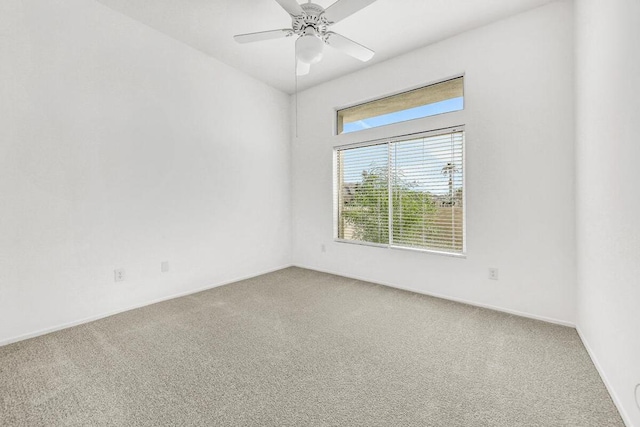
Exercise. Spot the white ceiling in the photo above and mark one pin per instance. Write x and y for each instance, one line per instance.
(389, 27)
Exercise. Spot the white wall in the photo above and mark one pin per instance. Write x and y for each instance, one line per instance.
(608, 201)
(519, 166)
(120, 147)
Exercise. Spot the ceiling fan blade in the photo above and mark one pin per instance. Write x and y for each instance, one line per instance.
(343, 8)
(303, 68)
(291, 6)
(349, 47)
(263, 35)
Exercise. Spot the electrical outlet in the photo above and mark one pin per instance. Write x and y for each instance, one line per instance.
(118, 275)
(323, 248)
(164, 267)
(493, 273)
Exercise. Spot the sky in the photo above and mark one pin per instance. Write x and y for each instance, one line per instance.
(447, 106)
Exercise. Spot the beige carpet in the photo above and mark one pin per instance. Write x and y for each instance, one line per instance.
(296, 348)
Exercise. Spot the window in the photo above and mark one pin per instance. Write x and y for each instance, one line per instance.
(426, 101)
(407, 192)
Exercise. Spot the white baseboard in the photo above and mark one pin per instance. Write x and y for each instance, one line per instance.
(133, 307)
(449, 298)
(605, 380)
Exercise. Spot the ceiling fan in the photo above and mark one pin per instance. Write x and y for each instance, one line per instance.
(311, 22)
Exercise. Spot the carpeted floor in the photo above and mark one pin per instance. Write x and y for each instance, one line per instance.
(297, 348)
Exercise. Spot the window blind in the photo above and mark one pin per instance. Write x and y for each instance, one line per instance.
(407, 192)
(364, 195)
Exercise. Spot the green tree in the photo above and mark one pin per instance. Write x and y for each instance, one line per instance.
(449, 170)
(368, 211)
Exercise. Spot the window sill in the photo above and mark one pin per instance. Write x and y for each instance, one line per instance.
(403, 248)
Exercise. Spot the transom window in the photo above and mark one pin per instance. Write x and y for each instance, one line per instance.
(439, 98)
(406, 192)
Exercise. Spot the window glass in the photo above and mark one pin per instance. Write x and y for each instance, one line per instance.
(427, 101)
(403, 193)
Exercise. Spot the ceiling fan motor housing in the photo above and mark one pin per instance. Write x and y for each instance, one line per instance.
(313, 17)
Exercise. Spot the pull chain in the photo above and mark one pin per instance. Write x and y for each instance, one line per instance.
(295, 71)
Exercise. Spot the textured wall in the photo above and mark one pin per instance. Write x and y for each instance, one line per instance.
(608, 199)
(519, 166)
(122, 148)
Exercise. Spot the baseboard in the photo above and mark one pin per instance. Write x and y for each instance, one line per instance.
(447, 297)
(133, 307)
(625, 417)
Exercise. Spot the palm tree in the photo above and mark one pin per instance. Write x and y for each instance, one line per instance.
(449, 170)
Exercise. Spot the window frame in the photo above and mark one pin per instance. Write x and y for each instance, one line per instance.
(389, 140)
(337, 110)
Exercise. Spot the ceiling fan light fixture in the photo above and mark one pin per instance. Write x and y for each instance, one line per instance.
(309, 48)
